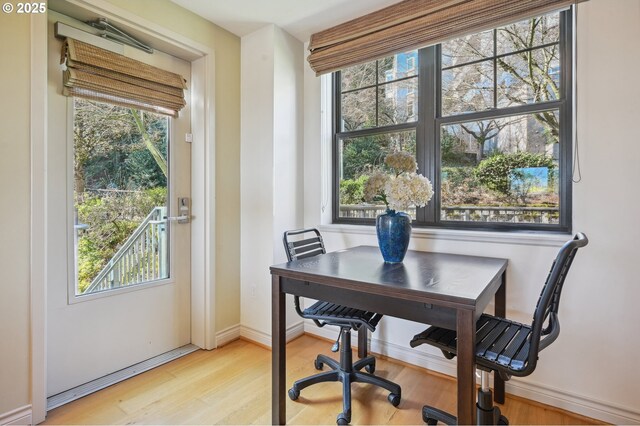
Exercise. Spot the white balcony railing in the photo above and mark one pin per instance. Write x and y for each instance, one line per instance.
(143, 257)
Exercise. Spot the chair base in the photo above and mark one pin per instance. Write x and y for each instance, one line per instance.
(486, 413)
(346, 372)
(368, 363)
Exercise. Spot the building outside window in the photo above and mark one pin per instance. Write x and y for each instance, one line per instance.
(488, 117)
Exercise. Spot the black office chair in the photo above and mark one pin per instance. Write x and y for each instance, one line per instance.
(503, 346)
(325, 313)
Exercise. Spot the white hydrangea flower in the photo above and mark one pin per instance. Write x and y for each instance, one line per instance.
(375, 185)
(410, 189)
(401, 162)
(406, 188)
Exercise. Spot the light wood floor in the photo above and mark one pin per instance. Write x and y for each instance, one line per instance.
(232, 385)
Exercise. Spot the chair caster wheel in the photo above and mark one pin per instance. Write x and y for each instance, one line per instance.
(342, 419)
(394, 399)
(318, 364)
(430, 421)
(294, 394)
(502, 420)
(371, 368)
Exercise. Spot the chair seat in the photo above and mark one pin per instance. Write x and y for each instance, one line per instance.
(333, 314)
(501, 344)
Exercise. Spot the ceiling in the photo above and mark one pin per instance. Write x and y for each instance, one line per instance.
(300, 18)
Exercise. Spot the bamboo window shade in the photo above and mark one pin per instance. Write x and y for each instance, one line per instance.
(100, 75)
(413, 24)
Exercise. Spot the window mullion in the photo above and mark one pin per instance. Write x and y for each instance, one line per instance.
(377, 93)
(337, 127)
(500, 112)
(371, 131)
(427, 141)
(495, 68)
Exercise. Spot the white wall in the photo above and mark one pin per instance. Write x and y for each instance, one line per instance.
(287, 138)
(271, 174)
(15, 213)
(591, 368)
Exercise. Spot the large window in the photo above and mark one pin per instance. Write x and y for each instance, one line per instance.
(488, 117)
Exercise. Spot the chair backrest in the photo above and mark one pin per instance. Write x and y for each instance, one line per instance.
(549, 300)
(299, 245)
(304, 245)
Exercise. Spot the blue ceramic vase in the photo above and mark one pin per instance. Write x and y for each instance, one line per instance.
(394, 231)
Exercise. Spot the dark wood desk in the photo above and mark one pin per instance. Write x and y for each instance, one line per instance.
(445, 290)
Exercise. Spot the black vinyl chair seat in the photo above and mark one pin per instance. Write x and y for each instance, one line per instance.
(338, 315)
(501, 345)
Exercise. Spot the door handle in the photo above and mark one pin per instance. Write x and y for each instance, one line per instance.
(185, 212)
(179, 219)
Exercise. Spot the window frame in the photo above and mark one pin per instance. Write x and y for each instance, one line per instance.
(430, 120)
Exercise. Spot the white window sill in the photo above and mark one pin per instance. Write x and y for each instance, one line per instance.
(518, 237)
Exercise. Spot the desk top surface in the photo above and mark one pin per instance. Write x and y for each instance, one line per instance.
(439, 275)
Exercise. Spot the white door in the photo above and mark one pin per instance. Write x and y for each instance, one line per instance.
(119, 272)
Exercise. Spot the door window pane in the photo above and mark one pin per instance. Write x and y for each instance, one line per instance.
(120, 195)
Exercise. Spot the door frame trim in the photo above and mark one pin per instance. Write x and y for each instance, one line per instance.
(38, 231)
(203, 283)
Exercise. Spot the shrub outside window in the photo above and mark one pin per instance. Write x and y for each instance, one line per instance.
(488, 117)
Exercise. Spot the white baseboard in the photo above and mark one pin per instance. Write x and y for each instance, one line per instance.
(228, 335)
(586, 406)
(265, 339)
(579, 404)
(19, 416)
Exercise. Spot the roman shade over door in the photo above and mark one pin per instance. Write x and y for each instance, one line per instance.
(98, 74)
(412, 24)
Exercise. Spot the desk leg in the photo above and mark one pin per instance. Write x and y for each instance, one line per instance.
(278, 353)
(500, 310)
(362, 342)
(466, 330)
